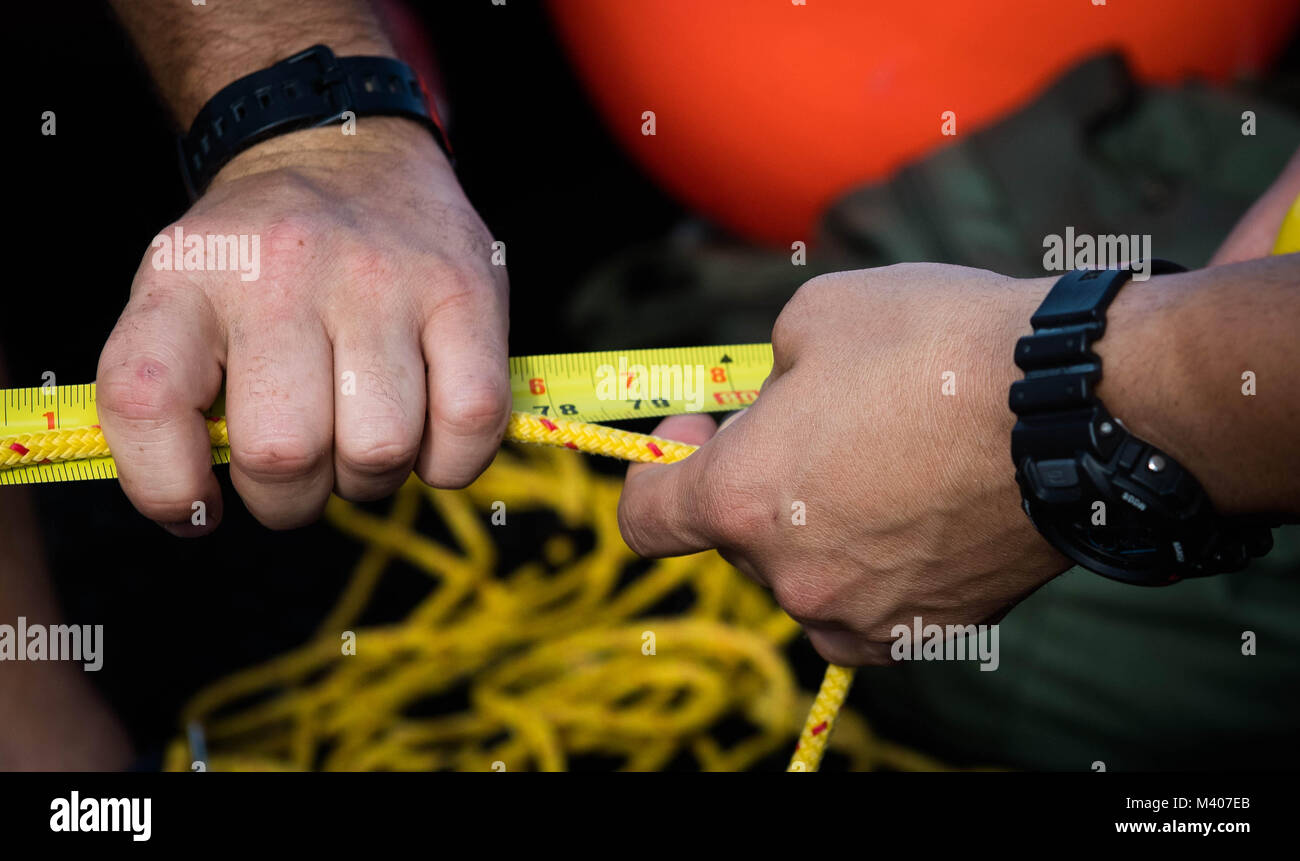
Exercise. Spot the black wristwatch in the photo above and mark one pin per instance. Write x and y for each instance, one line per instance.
(1110, 501)
(311, 88)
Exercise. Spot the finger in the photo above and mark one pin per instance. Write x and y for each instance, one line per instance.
(692, 429)
(726, 423)
(846, 648)
(658, 511)
(469, 388)
(378, 410)
(744, 566)
(159, 369)
(280, 412)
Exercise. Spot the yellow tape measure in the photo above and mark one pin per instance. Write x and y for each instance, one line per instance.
(606, 386)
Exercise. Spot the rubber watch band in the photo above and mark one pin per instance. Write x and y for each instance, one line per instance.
(310, 89)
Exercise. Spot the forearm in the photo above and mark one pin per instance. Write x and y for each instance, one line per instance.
(1173, 357)
(1256, 232)
(194, 51)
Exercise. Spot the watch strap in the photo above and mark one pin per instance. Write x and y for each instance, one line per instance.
(1065, 441)
(1060, 368)
(311, 88)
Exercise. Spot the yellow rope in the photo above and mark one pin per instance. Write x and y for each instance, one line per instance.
(626, 445)
(52, 446)
(821, 719)
(592, 689)
(65, 444)
(595, 439)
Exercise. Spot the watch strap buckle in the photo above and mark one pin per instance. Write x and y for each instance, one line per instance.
(330, 82)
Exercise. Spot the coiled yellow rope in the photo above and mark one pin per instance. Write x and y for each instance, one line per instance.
(626, 445)
(727, 666)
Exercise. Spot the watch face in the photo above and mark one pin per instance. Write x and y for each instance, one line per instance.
(1135, 550)
(1120, 549)
(1125, 509)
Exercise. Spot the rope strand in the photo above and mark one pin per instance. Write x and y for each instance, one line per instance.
(53, 446)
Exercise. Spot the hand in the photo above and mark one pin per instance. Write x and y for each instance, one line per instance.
(908, 495)
(373, 268)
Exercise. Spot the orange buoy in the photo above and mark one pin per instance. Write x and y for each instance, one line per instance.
(764, 111)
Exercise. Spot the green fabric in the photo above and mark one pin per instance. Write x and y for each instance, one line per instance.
(1139, 679)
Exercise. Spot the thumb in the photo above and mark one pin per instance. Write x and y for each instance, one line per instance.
(656, 512)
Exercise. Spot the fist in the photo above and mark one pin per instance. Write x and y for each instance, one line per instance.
(871, 482)
(362, 336)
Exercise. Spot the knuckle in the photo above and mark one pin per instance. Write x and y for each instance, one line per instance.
(792, 323)
(828, 648)
(163, 258)
(364, 264)
(287, 244)
(140, 388)
(368, 275)
(803, 598)
(277, 518)
(164, 505)
(782, 330)
(784, 341)
(461, 286)
(819, 289)
(377, 456)
(283, 458)
(427, 473)
(447, 476)
(480, 408)
(848, 651)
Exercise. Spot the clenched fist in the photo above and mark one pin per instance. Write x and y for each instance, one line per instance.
(871, 482)
(372, 342)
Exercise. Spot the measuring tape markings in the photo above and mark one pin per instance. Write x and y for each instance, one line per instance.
(566, 384)
(557, 385)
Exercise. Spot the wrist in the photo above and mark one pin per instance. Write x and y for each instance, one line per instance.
(1137, 376)
(1024, 295)
(1007, 315)
(1155, 375)
(385, 142)
(193, 53)
(1012, 322)
(1174, 378)
(312, 89)
(1118, 447)
(1148, 376)
(199, 82)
